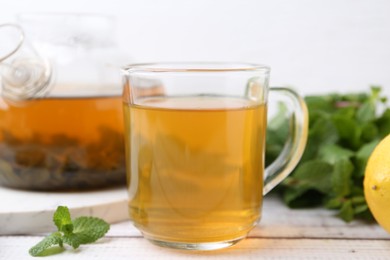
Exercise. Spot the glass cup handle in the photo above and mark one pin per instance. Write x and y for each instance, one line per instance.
(295, 144)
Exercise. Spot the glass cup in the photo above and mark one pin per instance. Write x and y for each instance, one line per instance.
(195, 145)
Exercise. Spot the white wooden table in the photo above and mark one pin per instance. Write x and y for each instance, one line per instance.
(282, 234)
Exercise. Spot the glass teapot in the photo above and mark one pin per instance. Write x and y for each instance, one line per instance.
(61, 122)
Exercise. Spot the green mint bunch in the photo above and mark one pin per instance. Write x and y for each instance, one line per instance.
(343, 131)
(82, 230)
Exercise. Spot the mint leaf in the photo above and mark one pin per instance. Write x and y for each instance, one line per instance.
(62, 220)
(320, 103)
(315, 175)
(369, 132)
(312, 177)
(341, 177)
(334, 203)
(361, 208)
(383, 123)
(331, 153)
(363, 154)
(86, 230)
(75, 240)
(375, 91)
(322, 131)
(346, 211)
(366, 113)
(349, 131)
(47, 242)
(82, 230)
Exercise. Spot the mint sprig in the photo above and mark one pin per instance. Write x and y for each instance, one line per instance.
(343, 131)
(82, 230)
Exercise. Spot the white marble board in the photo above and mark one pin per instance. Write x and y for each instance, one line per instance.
(27, 212)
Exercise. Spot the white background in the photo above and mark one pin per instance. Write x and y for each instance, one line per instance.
(314, 46)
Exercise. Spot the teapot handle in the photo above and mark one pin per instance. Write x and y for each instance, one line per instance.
(19, 39)
(24, 74)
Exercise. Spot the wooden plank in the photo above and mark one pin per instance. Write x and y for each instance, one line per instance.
(296, 234)
(281, 222)
(252, 248)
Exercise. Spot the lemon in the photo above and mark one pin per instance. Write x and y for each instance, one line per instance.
(377, 183)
